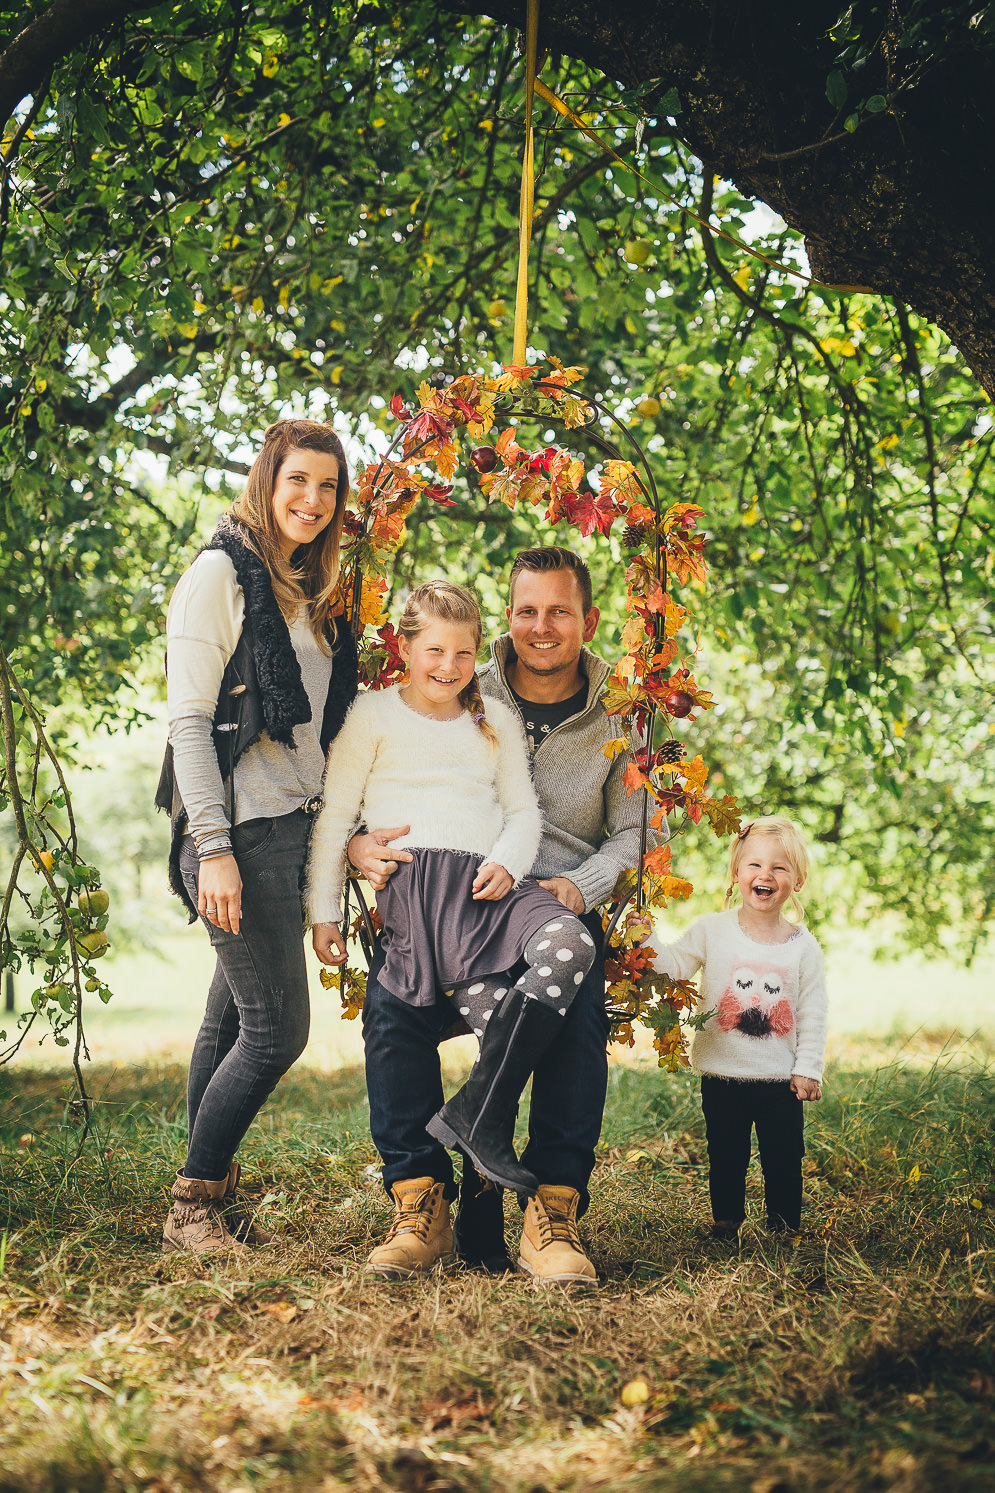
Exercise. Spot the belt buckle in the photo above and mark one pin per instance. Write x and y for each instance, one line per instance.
(312, 805)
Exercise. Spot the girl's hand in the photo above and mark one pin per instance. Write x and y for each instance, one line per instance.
(805, 1088)
(328, 943)
(492, 882)
(219, 892)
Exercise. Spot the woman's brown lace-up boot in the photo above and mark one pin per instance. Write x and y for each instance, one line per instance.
(239, 1223)
(196, 1221)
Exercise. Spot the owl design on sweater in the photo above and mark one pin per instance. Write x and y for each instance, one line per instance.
(755, 1003)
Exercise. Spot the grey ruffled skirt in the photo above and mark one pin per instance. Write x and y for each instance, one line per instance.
(436, 936)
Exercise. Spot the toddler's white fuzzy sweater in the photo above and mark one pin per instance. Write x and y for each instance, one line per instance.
(390, 765)
(768, 1001)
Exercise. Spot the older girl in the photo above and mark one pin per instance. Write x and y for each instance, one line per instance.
(260, 678)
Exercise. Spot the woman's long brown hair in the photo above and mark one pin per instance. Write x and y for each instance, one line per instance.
(312, 580)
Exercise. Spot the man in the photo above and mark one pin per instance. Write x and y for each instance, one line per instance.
(590, 835)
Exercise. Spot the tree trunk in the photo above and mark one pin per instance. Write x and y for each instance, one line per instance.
(904, 205)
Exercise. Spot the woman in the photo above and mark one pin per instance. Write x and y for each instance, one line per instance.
(259, 681)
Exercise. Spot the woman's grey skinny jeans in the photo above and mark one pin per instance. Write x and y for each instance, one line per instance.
(258, 1013)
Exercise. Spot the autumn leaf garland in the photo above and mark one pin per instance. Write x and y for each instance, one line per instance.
(652, 681)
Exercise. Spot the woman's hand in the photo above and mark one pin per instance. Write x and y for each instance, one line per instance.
(328, 943)
(492, 882)
(219, 892)
(372, 856)
(805, 1088)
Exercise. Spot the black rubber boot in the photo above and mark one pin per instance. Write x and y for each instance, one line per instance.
(479, 1120)
(478, 1229)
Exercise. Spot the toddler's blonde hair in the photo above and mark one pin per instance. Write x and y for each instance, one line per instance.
(786, 832)
(441, 601)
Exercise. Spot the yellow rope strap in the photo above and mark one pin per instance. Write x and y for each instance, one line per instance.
(526, 199)
(533, 86)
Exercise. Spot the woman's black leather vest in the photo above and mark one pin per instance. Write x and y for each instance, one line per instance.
(261, 689)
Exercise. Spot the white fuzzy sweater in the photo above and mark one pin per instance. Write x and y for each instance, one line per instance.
(768, 1000)
(389, 766)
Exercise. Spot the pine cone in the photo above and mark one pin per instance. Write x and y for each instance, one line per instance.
(672, 751)
(633, 535)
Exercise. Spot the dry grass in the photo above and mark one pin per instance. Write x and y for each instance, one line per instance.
(862, 1359)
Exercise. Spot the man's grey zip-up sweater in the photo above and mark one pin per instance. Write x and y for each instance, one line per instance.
(590, 826)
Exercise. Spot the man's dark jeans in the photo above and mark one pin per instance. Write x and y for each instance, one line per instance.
(732, 1107)
(258, 1012)
(404, 1083)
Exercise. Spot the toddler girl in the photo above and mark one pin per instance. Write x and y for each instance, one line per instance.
(760, 1053)
(426, 755)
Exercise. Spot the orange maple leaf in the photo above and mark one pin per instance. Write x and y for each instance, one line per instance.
(695, 773)
(513, 375)
(634, 778)
(633, 634)
(658, 860)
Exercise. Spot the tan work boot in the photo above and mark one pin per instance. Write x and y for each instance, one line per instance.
(239, 1223)
(551, 1250)
(421, 1234)
(196, 1221)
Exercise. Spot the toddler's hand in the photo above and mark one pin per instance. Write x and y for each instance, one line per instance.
(805, 1088)
(328, 943)
(492, 883)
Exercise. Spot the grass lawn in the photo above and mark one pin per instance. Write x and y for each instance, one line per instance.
(860, 1359)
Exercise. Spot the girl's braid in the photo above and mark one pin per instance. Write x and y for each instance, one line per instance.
(472, 700)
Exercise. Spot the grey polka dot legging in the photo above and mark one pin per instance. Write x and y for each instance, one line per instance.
(558, 958)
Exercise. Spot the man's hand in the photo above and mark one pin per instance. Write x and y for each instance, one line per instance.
(492, 882)
(372, 856)
(805, 1088)
(564, 891)
(328, 943)
(219, 892)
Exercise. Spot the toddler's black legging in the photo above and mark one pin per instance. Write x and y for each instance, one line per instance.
(732, 1107)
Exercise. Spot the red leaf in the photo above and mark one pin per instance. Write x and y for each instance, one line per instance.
(398, 410)
(588, 513)
(440, 495)
(428, 426)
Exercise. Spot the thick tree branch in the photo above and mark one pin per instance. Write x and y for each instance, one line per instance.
(899, 202)
(49, 37)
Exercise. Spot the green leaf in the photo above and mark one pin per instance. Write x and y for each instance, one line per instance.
(836, 89)
(876, 104)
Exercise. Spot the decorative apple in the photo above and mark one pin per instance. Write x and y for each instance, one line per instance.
(484, 458)
(679, 703)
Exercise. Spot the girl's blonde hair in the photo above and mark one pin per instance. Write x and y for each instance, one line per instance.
(441, 601)
(786, 832)
(310, 582)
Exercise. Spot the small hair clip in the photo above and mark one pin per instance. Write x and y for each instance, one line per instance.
(477, 717)
(741, 834)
